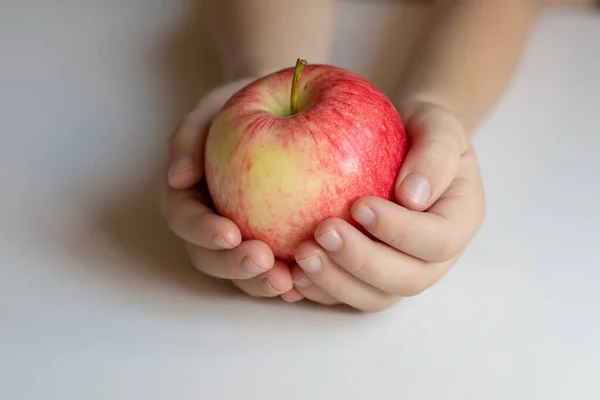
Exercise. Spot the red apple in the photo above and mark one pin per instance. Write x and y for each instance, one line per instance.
(299, 146)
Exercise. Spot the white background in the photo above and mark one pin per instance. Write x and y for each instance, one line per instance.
(98, 301)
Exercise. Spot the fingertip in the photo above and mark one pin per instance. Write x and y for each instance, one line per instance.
(365, 201)
(230, 237)
(328, 225)
(182, 181)
(259, 253)
(279, 278)
(414, 191)
(364, 215)
(306, 250)
(292, 296)
(296, 272)
(214, 231)
(268, 289)
(301, 280)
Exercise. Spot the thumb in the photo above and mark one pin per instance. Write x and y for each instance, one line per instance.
(186, 146)
(438, 141)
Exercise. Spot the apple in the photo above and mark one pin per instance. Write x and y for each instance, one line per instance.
(298, 146)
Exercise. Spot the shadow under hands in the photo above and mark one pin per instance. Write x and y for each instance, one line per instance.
(144, 247)
(131, 224)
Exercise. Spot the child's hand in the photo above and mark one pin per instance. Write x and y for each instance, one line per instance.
(441, 207)
(213, 242)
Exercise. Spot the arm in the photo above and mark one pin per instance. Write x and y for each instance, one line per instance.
(255, 37)
(467, 55)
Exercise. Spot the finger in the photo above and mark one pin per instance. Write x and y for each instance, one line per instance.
(427, 236)
(186, 155)
(186, 160)
(317, 295)
(249, 259)
(376, 263)
(441, 233)
(463, 204)
(437, 142)
(339, 283)
(272, 283)
(293, 296)
(309, 290)
(196, 223)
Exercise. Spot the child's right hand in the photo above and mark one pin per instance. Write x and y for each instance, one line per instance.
(214, 243)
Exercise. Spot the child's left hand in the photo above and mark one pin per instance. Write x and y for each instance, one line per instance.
(440, 207)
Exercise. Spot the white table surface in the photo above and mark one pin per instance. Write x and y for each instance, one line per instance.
(98, 301)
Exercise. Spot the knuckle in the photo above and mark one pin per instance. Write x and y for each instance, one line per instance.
(413, 284)
(451, 125)
(446, 248)
(442, 153)
(329, 288)
(415, 288)
(356, 263)
(445, 245)
(399, 239)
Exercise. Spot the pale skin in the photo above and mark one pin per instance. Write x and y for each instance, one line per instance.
(457, 73)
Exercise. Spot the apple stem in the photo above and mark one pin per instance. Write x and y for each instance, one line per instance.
(300, 63)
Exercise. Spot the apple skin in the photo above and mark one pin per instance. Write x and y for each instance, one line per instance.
(277, 176)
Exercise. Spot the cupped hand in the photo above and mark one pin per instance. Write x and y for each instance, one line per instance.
(440, 206)
(214, 243)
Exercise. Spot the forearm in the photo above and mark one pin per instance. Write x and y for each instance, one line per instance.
(255, 37)
(467, 55)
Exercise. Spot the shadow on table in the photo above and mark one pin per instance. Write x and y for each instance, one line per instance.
(129, 228)
(146, 251)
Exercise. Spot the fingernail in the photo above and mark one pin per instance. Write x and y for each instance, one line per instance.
(220, 242)
(364, 216)
(303, 282)
(182, 163)
(416, 188)
(267, 288)
(330, 241)
(292, 296)
(312, 265)
(250, 268)
(287, 299)
(300, 279)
